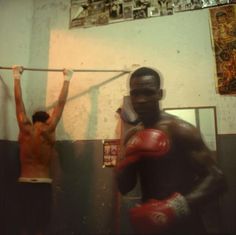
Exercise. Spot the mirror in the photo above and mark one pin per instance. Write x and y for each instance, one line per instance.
(204, 118)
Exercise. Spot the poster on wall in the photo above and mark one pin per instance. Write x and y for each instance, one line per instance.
(223, 24)
(111, 151)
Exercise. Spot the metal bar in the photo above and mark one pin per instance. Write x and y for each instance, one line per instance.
(75, 70)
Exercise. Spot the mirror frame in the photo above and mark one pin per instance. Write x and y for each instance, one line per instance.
(196, 108)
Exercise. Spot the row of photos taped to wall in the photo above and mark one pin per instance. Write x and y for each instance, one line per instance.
(87, 13)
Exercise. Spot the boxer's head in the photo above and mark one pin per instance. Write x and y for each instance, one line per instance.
(146, 71)
(40, 116)
(145, 93)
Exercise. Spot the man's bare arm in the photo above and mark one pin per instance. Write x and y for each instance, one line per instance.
(58, 110)
(211, 184)
(211, 180)
(22, 118)
(126, 177)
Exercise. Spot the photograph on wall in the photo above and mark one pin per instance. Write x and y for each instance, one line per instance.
(223, 25)
(86, 13)
(166, 7)
(186, 5)
(128, 11)
(212, 3)
(111, 151)
(115, 10)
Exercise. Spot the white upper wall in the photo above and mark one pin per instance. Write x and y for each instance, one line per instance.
(179, 46)
(15, 39)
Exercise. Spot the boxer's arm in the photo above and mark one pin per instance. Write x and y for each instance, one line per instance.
(210, 187)
(22, 119)
(126, 178)
(147, 143)
(58, 110)
(211, 181)
(126, 174)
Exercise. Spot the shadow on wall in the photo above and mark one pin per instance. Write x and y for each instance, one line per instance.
(84, 192)
(92, 89)
(93, 92)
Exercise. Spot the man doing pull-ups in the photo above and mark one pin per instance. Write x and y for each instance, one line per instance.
(36, 141)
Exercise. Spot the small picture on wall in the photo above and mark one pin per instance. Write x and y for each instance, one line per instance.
(116, 10)
(128, 11)
(139, 13)
(153, 11)
(166, 7)
(212, 3)
(183, 5)
(103, 18)
(111, 151)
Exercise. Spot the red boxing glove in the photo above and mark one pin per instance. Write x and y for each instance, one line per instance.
(147, 143)
(156, 216)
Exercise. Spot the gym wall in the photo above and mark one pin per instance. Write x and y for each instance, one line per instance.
(36, 34)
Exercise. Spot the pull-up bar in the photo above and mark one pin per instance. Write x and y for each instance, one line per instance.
(75, 70)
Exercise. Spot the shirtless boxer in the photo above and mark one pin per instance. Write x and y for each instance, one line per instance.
(177, 173)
